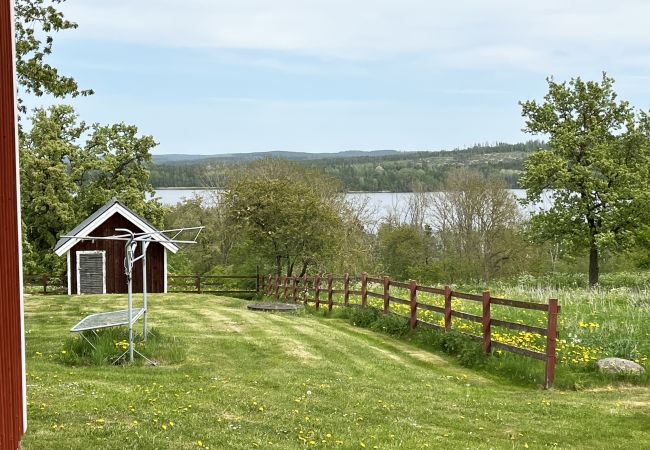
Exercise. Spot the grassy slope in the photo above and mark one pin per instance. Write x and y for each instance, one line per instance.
(273, 381)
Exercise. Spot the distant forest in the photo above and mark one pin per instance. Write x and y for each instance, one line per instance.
(376, 171)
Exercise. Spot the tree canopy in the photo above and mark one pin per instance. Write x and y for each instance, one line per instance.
(597, 164)
(36, 23)
(68, 170)
(290, 215)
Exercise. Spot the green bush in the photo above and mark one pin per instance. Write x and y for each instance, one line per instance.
(391, 324)
(363, 317)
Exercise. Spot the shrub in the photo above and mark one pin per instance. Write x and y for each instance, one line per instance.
(391, 324)
(363, 317)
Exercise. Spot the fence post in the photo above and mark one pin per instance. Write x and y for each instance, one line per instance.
(386, 294)
(487, 338)
(269, 286)
(44, 284)
(294, 292)
(447, 308)
(198, 283)
(346, 289)
(413, 288)
(551, 335)
(277, 286)
(330, 279)
(317, 291)
(364, 289)
(305, 288)
(286, 287)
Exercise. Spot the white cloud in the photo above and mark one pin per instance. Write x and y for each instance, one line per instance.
(461, 34)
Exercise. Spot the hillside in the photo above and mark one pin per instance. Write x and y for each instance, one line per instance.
(272, 381)
(381, 170)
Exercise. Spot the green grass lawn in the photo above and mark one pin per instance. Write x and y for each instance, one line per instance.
(259, 380)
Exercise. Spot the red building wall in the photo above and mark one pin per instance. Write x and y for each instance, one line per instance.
(116, 282)
(12, 419)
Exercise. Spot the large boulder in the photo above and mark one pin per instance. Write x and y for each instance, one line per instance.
(619, 365)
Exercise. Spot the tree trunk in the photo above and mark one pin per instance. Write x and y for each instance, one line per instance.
(303, 271)
(278, 264)
(289, 266)
(593, 264)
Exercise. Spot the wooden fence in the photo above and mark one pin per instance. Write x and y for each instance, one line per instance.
(214, 284)
(200, 284)
(46, 284)
(310, 290)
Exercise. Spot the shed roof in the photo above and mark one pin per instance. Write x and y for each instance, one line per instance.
(111, 207)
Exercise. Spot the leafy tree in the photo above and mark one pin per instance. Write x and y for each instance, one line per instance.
(48, 183)
(212, 250)
(476, 222)
(288, 213)
(402, 248)
(36, 22)
(116, 162)
(597, 164)
(69, 169)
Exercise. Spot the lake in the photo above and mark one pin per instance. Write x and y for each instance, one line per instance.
(380, 203)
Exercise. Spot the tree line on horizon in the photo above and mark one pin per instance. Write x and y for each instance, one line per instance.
(401, 172)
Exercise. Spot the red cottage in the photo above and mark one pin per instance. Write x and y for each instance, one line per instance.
(97, 266)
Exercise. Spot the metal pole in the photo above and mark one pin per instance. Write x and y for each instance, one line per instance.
(130, 308)
(128, 270)
(145, 246)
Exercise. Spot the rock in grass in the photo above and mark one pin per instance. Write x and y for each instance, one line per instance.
(619, 365)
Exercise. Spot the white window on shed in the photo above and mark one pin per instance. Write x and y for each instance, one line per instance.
(91, 272)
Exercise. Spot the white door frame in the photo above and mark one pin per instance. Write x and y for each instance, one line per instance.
(82, 252)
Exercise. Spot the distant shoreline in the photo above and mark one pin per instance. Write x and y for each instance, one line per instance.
(189, 188)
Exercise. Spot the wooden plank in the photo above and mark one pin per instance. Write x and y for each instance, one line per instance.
(431, 290)
(338, 291)
(473, 297)
(487, 325)
(375, 294)
(386, 295)
(520, 351)
(519, 304)
(12, 352)
(447, 311)
(519, 327)
(399, 300)
(375, 280)
(413, 300)
(229, 292)
(224, 277)
(431, 308)
(467, 316)
(399, 284)
(553, 309)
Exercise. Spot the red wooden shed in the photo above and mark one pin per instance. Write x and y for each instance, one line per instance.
(97, 266)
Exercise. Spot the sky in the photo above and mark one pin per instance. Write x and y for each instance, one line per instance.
(231, 76)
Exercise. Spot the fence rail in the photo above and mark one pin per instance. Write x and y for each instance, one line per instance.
(197, 283)
(46, 284)
(312, 290)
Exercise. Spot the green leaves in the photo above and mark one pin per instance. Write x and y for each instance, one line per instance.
(291, 214)
(68, 170)
(35, 24)
(597, 164)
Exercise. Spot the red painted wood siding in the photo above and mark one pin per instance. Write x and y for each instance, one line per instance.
(11, 328)
(115, 277)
